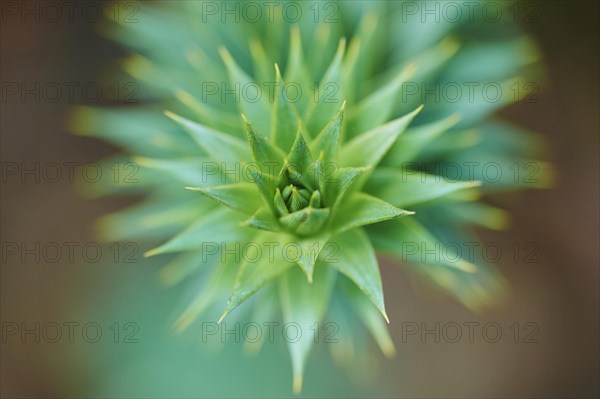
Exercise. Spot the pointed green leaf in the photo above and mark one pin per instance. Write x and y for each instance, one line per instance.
(306, 221)
(215, 288)
(341, 183)
(219, 146)
(348, 338)
(315, 199)
(156, 79)
(305, 304)
(290, 174)
(402, 35)
(285, 121)
(203, 64)
(323, 40)
(243, 197)
(361, 55)
(410, 144)
(262, 263)
(368, 148)
(266, 185)
(269, 157)
(305, 252)
(137, 178)
(432, 61)
(280, 205)
(362, 209)
(263, 219)
(287, 192)
(480, 214)
(299, 156)
(297, 201)
(329, 95)
(187, 171)
(428, 64)
(486, 61)
(410, 242)
(457, 141)
(403, 187)
(378, 107)
(296, 70)
(371, 318)
(310, 248)
(219, 226)
(265, 309)
(152, 218)
(477, 109)
(181, 267)
(141, 131)
(305, 194)
(355, 258)
(257, 111)
(316, 174)
(263, 67)
(217, 118)
(328, 141)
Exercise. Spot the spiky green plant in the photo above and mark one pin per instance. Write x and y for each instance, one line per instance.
(313, 185)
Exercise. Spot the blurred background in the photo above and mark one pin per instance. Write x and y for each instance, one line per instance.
(113, 315)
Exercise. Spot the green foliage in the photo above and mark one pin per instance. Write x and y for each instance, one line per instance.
(326, 176)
